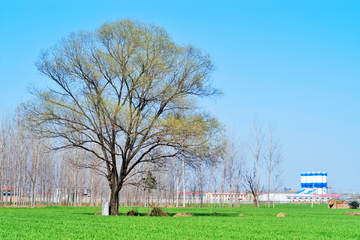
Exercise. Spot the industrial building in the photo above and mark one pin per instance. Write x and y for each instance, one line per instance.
(297, 198)
(217, 197)
(313, 183)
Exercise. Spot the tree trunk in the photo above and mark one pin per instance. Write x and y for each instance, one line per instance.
(160, 192)
(59, 194)
(222, 185)
(92, 191)
(2, 184)
(256, 186)
(231, 178)
(274, 191)
(177, 184)
(215, 200)
(209, 188)
(6, 191)
(114, 196)
(269, 189)
(1, 191)
(201, 188)
(230, 192)
(18, 186)
(183, 175)
(24, 180)
(33, 198)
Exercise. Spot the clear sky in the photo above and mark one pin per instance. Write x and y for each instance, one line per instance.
(295, 63)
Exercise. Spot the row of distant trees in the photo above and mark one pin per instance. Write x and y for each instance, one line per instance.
(122, 103)
(35, 173)
(32, 173)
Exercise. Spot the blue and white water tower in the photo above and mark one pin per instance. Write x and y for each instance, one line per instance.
(315, 182)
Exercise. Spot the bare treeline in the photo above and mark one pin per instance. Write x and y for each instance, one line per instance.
(31, 174)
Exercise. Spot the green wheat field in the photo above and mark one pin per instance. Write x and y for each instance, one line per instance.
(301, 222)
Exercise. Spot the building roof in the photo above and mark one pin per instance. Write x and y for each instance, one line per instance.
(189, 193)
(228, 193)
(329, 195)
(344, 197)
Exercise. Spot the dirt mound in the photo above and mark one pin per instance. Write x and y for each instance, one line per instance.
(336, 203)
(98, 213)
(215, 214)
(242, 215)
(281, 214)
(183, 215)
(131, 213)
(157, 212)
(353, 213)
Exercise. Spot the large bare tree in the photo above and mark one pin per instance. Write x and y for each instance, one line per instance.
(116, 88)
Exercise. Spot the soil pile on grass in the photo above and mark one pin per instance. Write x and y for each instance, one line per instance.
(345, 202)
(353, 213)
(337, 203)
(98, 213)
(183, 215)
(131, 213)
(281, 214)
(242, 215)
(157, 212)
(215, 214)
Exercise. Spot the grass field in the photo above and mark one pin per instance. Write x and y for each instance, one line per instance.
(301, 222)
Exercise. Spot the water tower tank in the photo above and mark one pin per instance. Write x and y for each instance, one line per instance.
(324, 179)
(308, 180)
(321, 185)
(313, 179)
(318, 180)
(303, 180)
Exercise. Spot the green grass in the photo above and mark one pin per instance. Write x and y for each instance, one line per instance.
(302, 222)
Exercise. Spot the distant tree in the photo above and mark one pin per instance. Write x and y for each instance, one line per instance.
(234, 149)
(118, 88)
(272, 148)
(278, 160)
(224, 160)
(177, 181)
(5, 144)
(252, 186)
(149, 182)
(256, 141)
(241, 164)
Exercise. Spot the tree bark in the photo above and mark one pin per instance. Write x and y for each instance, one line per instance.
(177, 183)
(114, 194)
(215, 200)
(201, 187)
(183, 176)
(222, 184)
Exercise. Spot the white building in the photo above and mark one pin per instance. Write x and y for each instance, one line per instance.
(311, 197)
(277, 197)
(65, 194)
(225, 197)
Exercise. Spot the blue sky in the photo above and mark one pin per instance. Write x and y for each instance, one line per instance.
(295, 63)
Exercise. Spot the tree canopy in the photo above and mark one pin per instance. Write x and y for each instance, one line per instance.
(126, 93)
